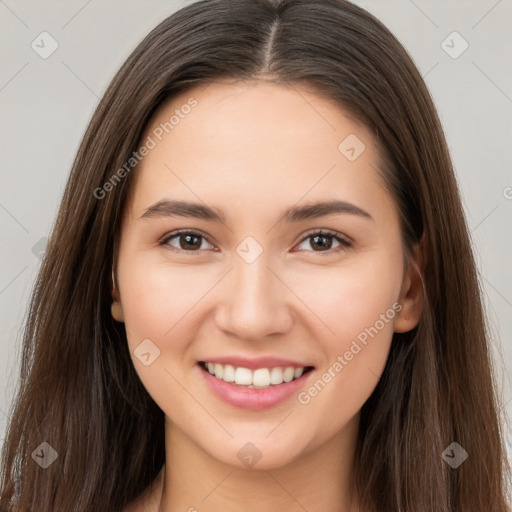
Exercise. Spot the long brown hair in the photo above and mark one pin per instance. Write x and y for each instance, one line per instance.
(78, 389)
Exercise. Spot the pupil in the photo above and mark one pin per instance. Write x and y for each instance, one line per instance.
(323, 246)
(189, 238)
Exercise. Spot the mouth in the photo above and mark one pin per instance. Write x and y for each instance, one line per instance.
(259, 378)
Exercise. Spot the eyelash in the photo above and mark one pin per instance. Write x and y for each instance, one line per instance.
(344, 242)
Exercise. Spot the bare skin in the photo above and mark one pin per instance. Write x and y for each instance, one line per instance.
(253, 150)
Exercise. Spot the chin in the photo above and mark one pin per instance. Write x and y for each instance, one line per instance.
(259, 454)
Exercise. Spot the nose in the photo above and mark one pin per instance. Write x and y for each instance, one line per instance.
(254, 301)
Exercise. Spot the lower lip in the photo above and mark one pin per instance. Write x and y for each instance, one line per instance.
(254, 399)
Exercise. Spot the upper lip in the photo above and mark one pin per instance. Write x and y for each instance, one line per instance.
(255, 362)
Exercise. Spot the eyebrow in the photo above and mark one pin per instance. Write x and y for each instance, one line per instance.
(178, 208)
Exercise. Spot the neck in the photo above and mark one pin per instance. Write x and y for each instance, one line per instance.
(192, 480)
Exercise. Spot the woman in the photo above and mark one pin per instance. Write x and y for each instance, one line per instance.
(259, 290)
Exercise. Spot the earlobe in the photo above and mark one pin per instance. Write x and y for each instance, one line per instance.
(411, 295)
(116, 309)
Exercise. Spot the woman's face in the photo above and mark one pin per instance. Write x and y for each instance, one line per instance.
(255, 288)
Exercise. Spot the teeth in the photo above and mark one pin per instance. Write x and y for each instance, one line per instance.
(260, 378)
(276, 376)
(229, 373)
(242, 376)
(288, 374)
(219, 370)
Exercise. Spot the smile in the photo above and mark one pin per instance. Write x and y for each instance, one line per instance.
(253, 389)
(260, 378)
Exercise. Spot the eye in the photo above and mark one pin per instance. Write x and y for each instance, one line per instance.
(191, 241)
(323, 240)
(187, 241)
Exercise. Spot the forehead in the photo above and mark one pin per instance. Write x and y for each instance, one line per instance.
(257, 144)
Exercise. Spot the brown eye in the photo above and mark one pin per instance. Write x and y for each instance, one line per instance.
(324, 241)
(187, 241)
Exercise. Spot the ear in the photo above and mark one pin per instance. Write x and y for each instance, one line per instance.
(411, 295)
(116, 309)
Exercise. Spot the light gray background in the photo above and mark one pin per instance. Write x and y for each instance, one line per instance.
(46, 104)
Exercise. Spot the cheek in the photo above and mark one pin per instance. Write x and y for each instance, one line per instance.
(163, 303)
(155, 295)
(352, 297)
(159, 305)
(357, 306)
